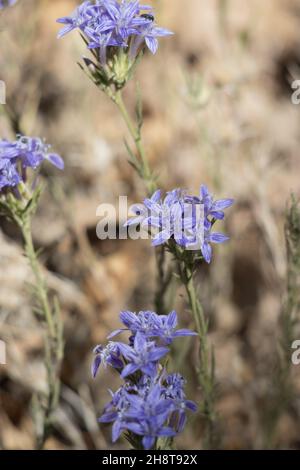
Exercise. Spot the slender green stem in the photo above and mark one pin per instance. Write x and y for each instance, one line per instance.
(282, 392)
(40, 284)
(20, 209)
(163, 278)
(53, 334)
(206, 373)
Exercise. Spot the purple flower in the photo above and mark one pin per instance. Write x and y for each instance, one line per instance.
(150, 404)
(174, 391)
(188, 220)
(9, 176)
(148, 416)
(209, 238)
(109, 354)
(123, 18)
(154, 407)
(143, 356)
(213, 209)
(152, 325)
(166, 329)
(112, 23)
(143, 322)
(116, 412)
(78, 19)
(25, 152)
(148, 33)
(165, 216)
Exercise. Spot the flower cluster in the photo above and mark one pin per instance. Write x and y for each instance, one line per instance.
(188, 220)
(151, 403)
(107, 23)
(7, 3)
(17, 156)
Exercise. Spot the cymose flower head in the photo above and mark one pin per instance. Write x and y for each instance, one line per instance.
(151, 325)
(25, 152)
(114, 23)
(187, 220)
(116, 32)
(150, 404)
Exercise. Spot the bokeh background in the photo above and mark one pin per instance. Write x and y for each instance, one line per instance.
(217, 104)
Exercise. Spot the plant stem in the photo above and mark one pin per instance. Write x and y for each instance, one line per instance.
(40, 284)
(283, 391)
(135, 132)
(53, 334)
(206, 370)
(142, 167)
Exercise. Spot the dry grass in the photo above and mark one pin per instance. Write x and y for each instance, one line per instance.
(238, 132)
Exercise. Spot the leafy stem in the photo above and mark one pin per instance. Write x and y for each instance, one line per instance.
(206, 369)
(141, 163)
(20, 210)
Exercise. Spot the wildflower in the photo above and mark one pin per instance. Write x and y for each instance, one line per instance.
(113, 23)
(144, 322)
(143, 356)
(9, 175)
(149, 33)
(213, 210)
(116, 412)
(152, 325)
(78, 19)
(122, 19)
(164, 216)
(174, 390)
(188, 220)
(152, 408)
(166, 329)
(109, 355)
(148, 416)
(150, 404)
(17, 156)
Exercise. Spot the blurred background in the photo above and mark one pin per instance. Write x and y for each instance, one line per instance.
(218, 110)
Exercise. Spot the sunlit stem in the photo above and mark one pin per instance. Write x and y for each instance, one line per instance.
(135, 133)
(206, 372)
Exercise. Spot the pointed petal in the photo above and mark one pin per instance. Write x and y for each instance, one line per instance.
(219, 215)
(218, 237)
(148, 442)
(129, 369)
(206, 252)
(172, 319)
(222, 204)
(116, 430)
(95, 365)
(204, 191)
(185, 332)
(108, 417)
(152, 44)
(161, 238)
(158, 353)
(56, 160)
(116, 333)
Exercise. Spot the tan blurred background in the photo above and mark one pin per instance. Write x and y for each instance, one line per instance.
(217, 102)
